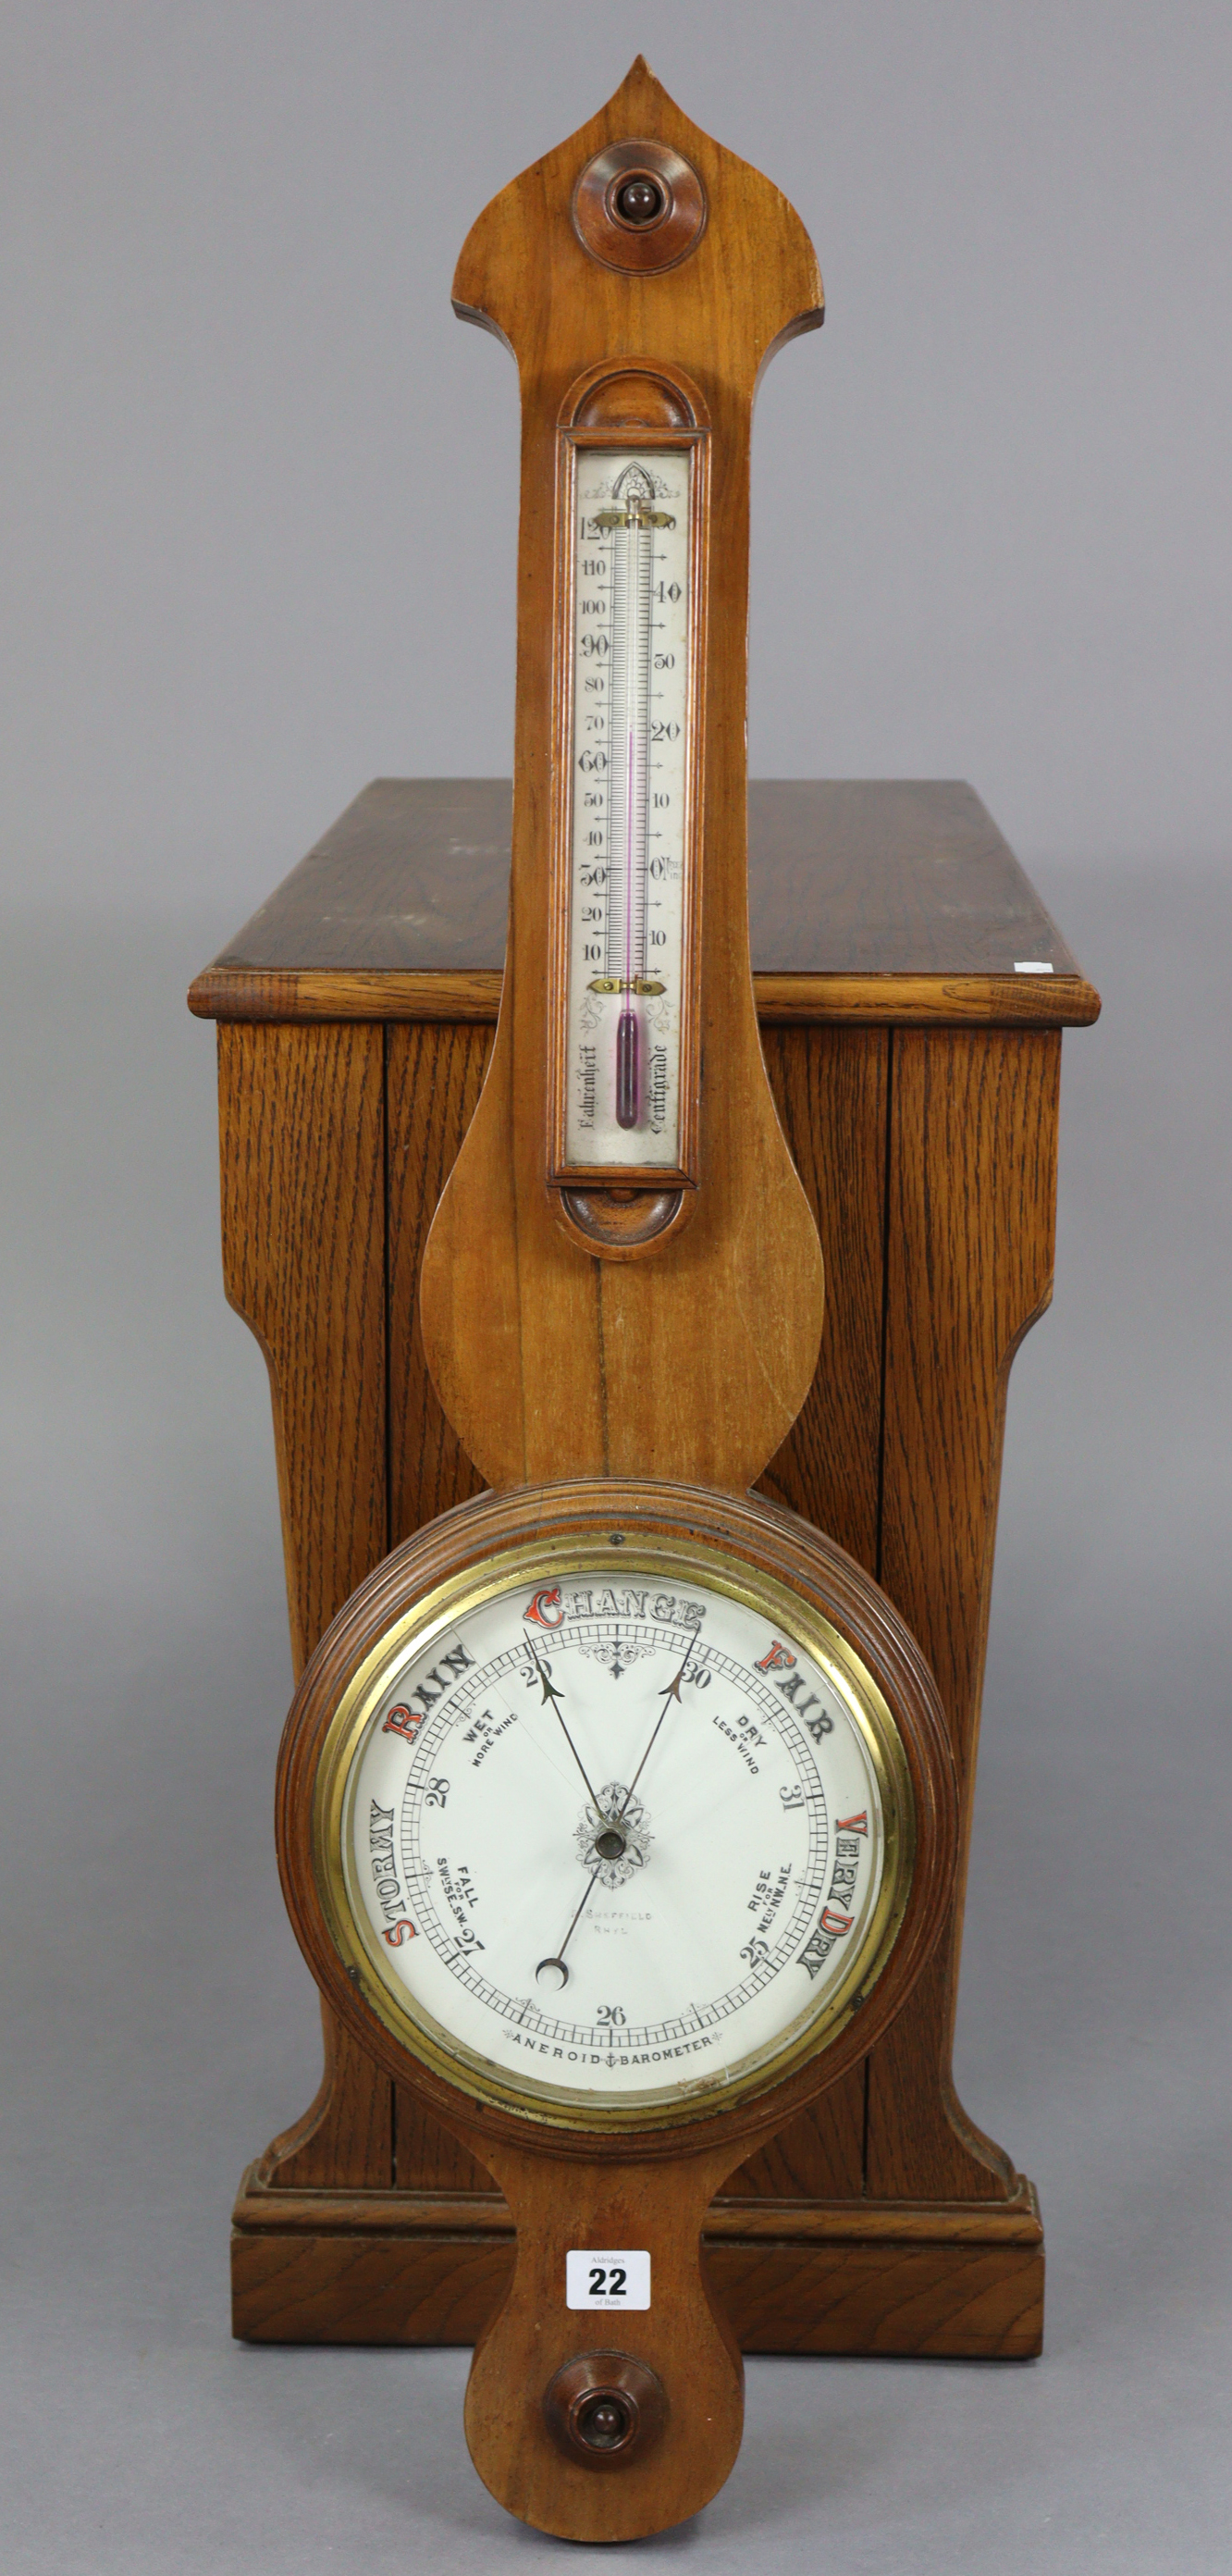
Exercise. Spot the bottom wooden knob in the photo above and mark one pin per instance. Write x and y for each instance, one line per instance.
(603, 2407)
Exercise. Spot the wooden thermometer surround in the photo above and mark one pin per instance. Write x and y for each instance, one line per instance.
(552, 1354)
(621, 1341)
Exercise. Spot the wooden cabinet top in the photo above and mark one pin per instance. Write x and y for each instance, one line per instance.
(870, 900)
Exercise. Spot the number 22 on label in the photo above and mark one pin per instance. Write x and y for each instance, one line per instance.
(607, 2279)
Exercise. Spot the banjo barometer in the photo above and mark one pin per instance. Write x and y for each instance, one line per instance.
(616, 1813)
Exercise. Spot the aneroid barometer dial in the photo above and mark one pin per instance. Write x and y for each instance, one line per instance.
(613, 1830)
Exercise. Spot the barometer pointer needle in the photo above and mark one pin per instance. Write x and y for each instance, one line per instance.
(558, 1960)
(551, 1693)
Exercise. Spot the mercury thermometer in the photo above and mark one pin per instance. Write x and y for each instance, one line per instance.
(629, 907)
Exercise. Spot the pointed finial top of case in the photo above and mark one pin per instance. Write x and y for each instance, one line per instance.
(639, 73)
(642, 88)
(705, 249)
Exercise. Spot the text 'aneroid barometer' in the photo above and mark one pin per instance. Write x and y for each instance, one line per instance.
(616, 1810)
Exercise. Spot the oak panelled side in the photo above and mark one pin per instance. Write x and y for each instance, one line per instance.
(434, 1077)
(302, 1141)
(302, 1148)
(971, 1204)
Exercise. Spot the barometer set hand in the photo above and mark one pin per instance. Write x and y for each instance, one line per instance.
(672, 1692)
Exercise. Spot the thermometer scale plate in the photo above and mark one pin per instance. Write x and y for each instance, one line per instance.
(624, 1075)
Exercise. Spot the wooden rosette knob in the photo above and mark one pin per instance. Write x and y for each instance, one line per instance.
(602, 2407)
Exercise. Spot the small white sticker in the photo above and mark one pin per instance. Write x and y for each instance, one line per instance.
(1032, 966)
(607, 2280)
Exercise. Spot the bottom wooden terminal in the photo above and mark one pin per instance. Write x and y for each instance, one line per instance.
(947, 2280)
(586, 2423)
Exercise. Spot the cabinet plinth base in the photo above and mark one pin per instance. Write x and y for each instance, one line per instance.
(948, 2280)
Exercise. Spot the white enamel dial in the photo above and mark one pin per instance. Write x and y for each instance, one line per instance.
(614, 1835)
(630, 727)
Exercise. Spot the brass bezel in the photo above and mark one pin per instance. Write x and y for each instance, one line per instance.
(417, 2033)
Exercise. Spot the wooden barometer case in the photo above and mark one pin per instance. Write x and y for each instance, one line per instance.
(619, 1812)
(621, 1304)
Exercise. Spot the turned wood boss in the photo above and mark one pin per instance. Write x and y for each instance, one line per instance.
(617, 1322)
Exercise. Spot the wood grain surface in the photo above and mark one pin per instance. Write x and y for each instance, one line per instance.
(947, 2300)
(301, 1122)
(433, 1080)
(345, 2139)
(863, 1001)
(264, 2211)
(831, 1087)
(972, 1201)
(899, 2278)
(871, 901)
(847, 876)
(683, 2335)
(302, 1148)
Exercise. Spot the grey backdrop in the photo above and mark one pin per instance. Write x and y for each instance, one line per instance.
(259, 494)
(261, 487)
